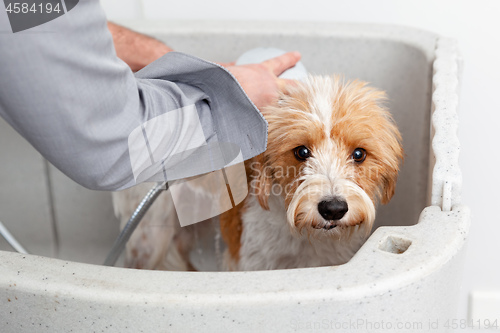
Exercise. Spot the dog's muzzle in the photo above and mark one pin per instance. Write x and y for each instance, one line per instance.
(332, 210)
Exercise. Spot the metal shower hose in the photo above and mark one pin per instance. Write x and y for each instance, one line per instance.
(133, 222)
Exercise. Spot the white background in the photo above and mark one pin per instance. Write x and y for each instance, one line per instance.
(475, 24)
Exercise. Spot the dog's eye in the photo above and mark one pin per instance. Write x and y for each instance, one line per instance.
(302, 153)
(359, 155)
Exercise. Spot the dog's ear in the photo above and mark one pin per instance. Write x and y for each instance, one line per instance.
(390, 177)
(260, 181)
(389, 187)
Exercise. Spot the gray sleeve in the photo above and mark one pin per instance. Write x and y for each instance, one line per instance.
(63, 89)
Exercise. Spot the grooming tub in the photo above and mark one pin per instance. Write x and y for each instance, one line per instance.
(406, 277)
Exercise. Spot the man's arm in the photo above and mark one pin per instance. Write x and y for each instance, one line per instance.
(63, 89)
(135, 49)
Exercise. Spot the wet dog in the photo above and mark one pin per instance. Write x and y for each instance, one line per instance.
(333, 153)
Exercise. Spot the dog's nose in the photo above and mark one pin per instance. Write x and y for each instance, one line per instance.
(333, 210)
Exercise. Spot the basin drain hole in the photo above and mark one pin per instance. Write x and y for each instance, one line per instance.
(395, 244)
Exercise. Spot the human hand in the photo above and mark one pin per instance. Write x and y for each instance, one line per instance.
(260, 81)
(135, 49)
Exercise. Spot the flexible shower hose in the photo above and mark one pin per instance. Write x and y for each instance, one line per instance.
(133, 222)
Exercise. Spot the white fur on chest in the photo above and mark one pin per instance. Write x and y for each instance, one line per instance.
(267, 241)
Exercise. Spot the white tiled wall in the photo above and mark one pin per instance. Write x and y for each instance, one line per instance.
(49, 214)
(25, 206)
